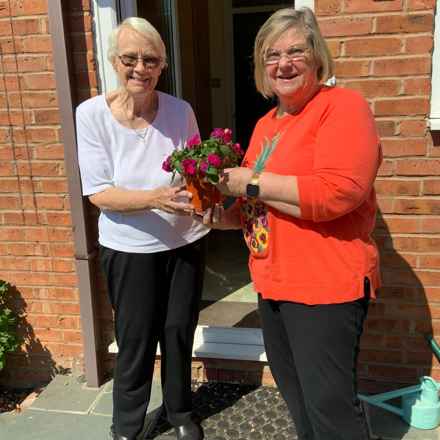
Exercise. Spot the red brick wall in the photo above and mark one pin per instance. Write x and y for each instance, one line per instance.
(36, 243)
(383, 48)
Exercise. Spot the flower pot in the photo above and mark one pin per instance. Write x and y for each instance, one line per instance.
(205, 194)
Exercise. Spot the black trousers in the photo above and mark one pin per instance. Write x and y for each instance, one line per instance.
(312, 352)
(155, 298)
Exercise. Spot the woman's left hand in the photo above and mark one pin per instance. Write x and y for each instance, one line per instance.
(233, 181)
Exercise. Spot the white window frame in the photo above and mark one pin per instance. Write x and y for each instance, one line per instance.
(434, 116)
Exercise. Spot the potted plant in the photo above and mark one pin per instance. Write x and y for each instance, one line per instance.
(200, 163)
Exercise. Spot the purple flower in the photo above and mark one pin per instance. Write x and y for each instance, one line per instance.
(193, 141)
(218, 133)
(166, 166)
(203, 167)
(214, 160)
(189, 166)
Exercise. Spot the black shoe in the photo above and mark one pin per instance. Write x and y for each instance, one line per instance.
(154, 421)
(189, 431)
(115, 436)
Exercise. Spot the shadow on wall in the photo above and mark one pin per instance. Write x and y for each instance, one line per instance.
(31, 364)
(393, 348)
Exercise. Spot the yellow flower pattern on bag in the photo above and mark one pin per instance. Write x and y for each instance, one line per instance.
(254, 216)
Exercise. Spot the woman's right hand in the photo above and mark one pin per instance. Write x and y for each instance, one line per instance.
(173, 199)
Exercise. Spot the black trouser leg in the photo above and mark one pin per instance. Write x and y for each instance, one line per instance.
(282, 365)
(185, 271)
(323, 343)
(140, 286)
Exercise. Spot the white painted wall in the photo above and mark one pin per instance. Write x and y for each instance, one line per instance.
(434, 117)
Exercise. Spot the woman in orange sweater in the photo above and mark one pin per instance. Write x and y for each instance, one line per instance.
(307, 212)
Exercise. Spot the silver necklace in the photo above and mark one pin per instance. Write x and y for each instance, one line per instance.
(141, 133)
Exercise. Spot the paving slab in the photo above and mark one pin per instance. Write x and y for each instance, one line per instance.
(385, 425)
(67, 394)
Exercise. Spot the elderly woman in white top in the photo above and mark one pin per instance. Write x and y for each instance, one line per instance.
(152, 254)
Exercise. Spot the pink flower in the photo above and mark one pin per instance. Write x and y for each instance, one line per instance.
(227, 135)
(166, 166)
(217, 133)
(193, 141)
(214, 160)
(189, 166)
(237, 149)
(203, 167)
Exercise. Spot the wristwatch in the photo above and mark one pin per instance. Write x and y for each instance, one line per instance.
(252, 188)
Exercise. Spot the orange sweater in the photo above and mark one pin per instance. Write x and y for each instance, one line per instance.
(333, 149)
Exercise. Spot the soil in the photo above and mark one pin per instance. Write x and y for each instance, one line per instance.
(11, 399)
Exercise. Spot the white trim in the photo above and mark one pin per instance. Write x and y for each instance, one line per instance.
(104, 20)
(224, 343)
(305, 3)
(176, 49)
(434, 116)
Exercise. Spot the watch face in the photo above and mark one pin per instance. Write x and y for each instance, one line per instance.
(252, 190)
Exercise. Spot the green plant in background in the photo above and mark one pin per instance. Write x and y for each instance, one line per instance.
(8, 325)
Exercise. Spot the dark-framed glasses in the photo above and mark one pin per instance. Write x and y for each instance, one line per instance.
(149, 62)
(293, 53)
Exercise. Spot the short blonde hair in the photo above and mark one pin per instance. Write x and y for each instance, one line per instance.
(277, 24)
(141, 26)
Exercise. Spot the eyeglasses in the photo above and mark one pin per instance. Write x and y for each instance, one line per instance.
(293, 53)
(148, 62)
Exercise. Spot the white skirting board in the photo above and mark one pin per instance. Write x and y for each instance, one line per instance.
(224, 343)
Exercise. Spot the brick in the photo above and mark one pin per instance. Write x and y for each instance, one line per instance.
(63, 265)
(407, 23)
(387, 168)
(52, 201)
(11, 234)
(40, 99)
(51, 116)
(7, 169)
(431, 187)
(385, 205)
(59, 218)
(9, 202)
(327, 7)
(419, 44)
(400, 224)
(418, 167)
(343, 27)
(415, 5)
(47, 169)
(371, 88)
(52, 186)
(393, 260)
(62, 250)
(362, 47)
(334, 47)
(403, 147)
(38, 81)
(417, 86)
(429, 262)
(350, 69)
(402, 66)
(413, 128)
(55, 151)
(430, 225)
(398, 187)
(9, 185)
(28, 7)
(417, 206)
(401, 107)
(386, 128)
(27, 26)
(60, 234)
(416, 244)
(356, 6)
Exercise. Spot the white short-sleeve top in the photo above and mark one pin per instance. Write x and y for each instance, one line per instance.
(111, 155)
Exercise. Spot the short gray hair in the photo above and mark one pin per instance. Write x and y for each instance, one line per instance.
(277, 24)
(142, 26)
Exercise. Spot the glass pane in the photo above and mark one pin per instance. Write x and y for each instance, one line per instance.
(161, 15)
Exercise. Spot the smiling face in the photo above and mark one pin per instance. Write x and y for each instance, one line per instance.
(141, 78)
(293, 79)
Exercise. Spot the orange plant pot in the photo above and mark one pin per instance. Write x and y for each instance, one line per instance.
(205, 194)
